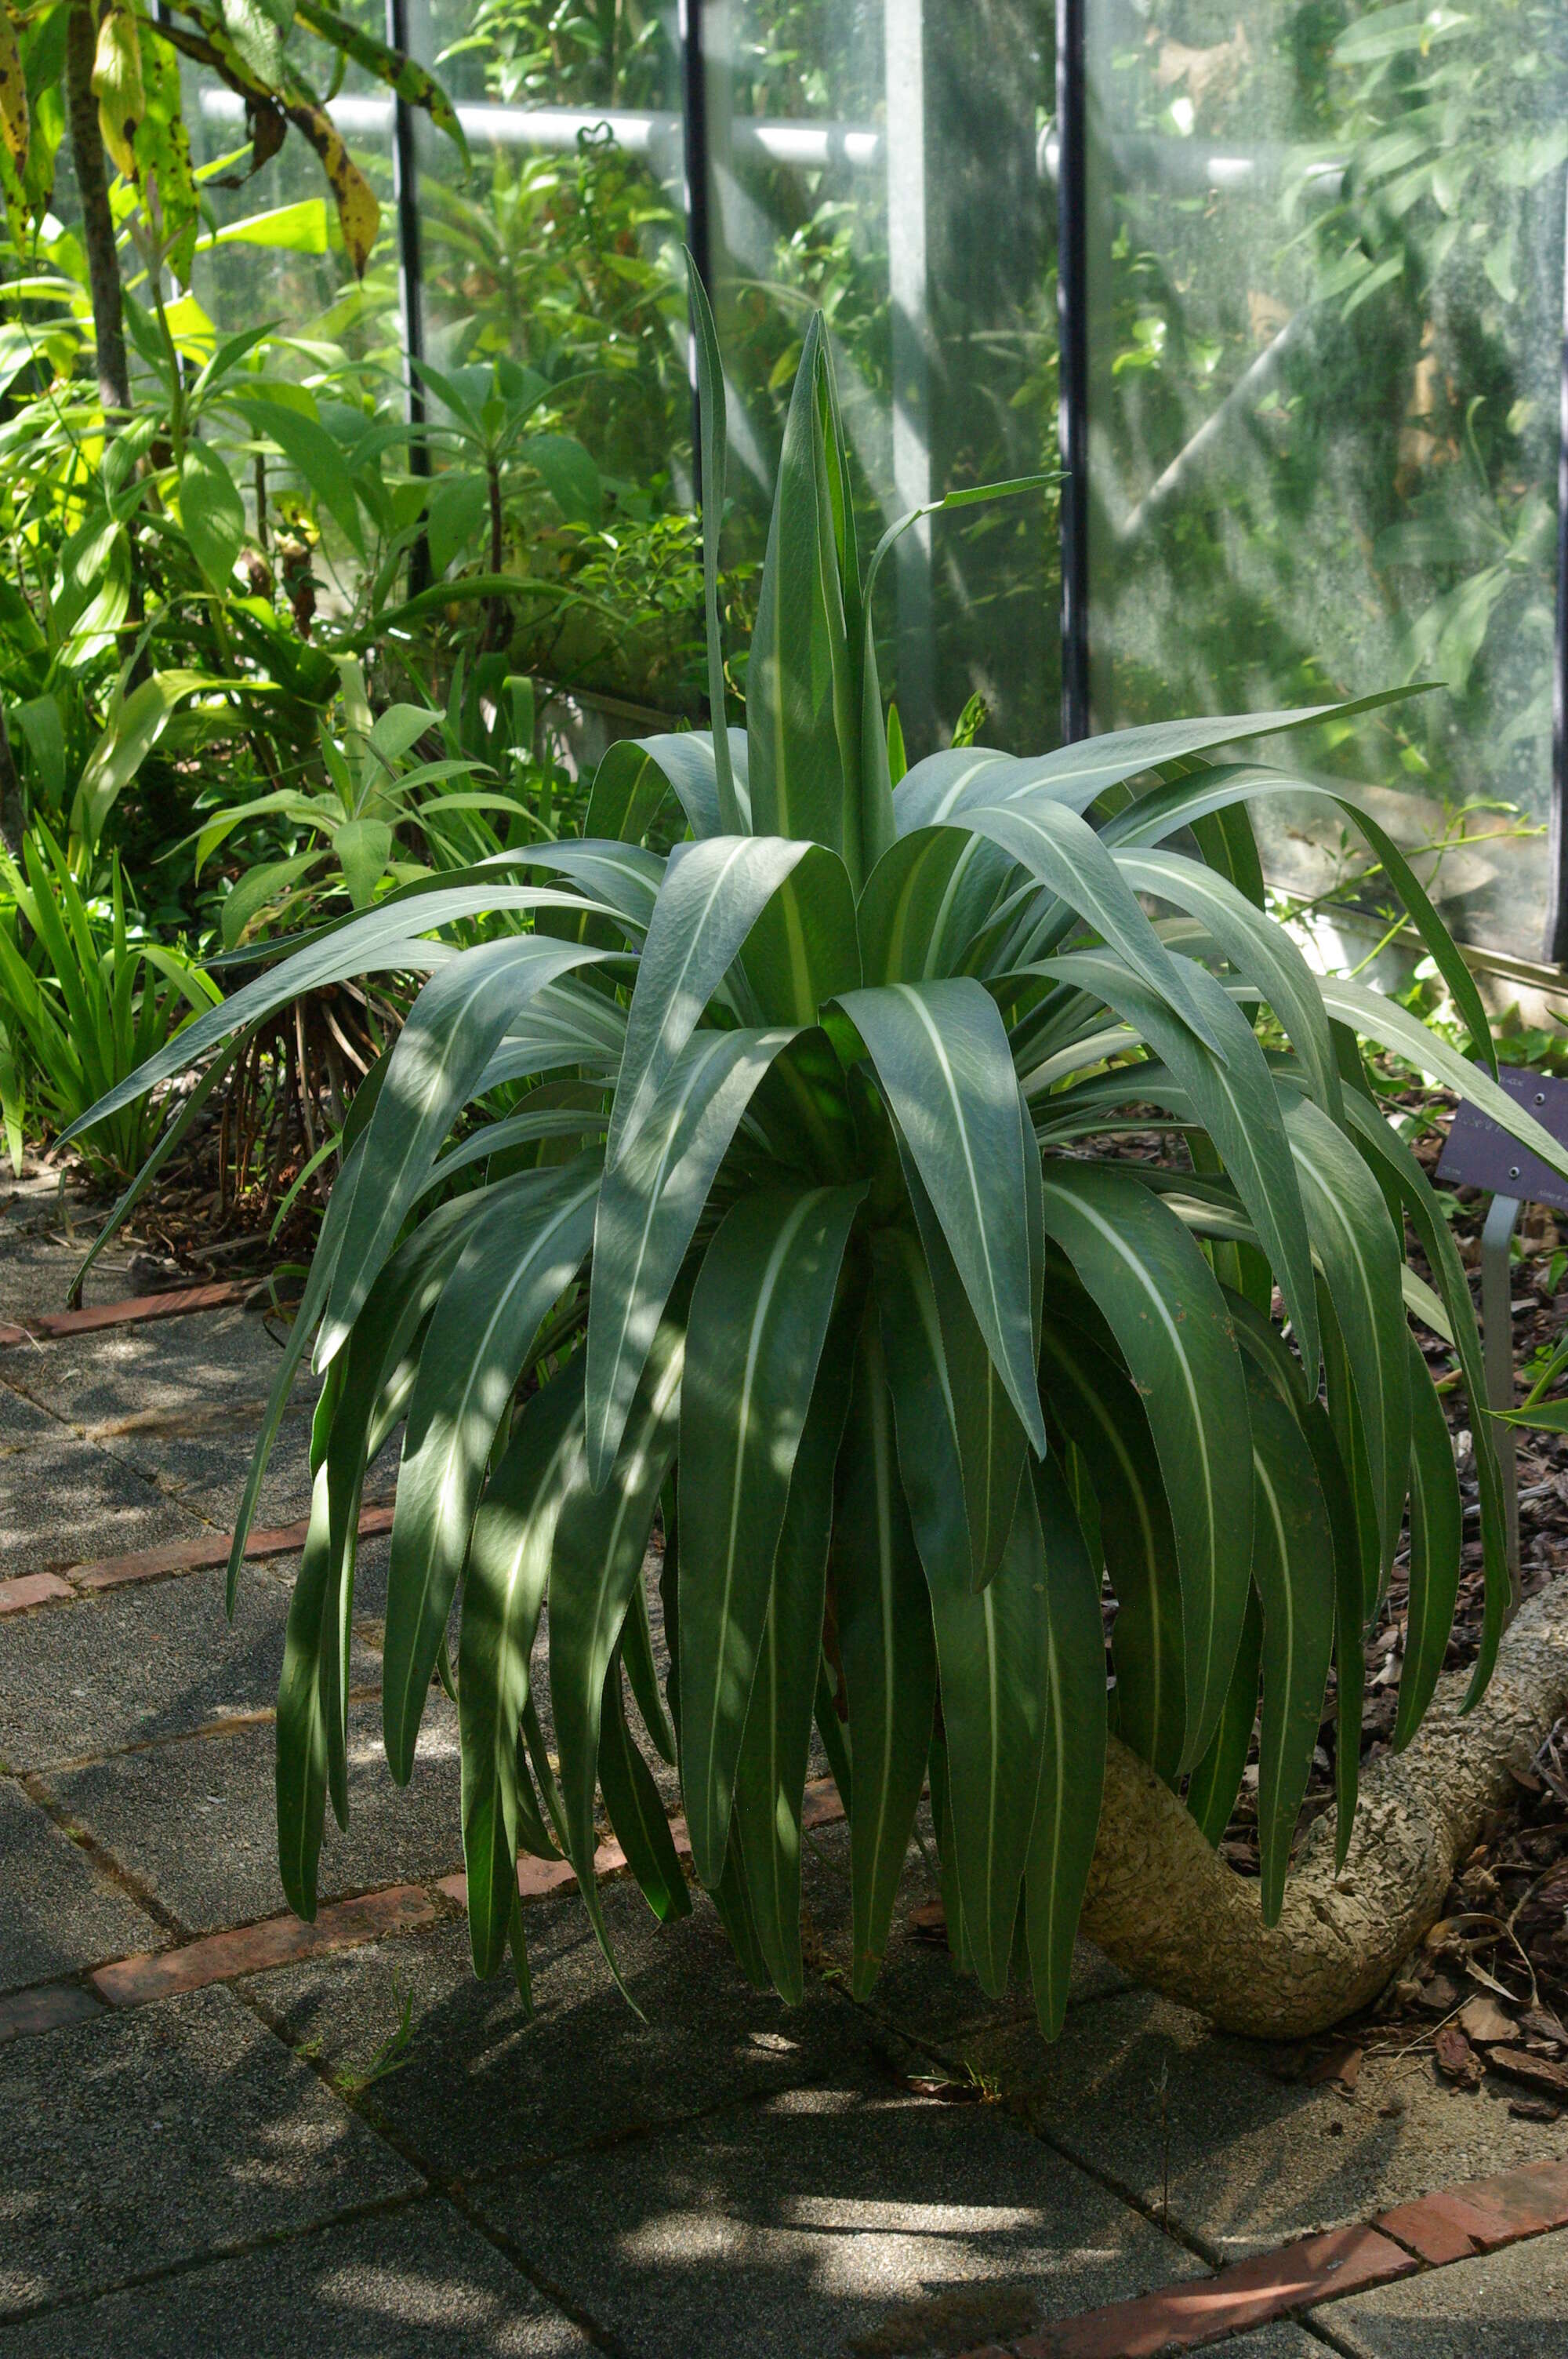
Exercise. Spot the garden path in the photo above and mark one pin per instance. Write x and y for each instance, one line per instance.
(222, 2132)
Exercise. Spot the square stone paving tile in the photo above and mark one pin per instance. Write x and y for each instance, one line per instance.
(57, 1912)
(1254, 2159)
(1508, 2305)
(64, 1500)
(136, 2141)
(847, 2217)
(132, 1666)
(197, 1822)
(417, 2282)
(181, 1401)
(480, 2089)
(42, 1245)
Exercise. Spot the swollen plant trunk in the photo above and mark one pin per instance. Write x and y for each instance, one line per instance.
(97, 222)
(1170, 1912)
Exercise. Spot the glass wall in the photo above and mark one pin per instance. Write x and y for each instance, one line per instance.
(1326, 294)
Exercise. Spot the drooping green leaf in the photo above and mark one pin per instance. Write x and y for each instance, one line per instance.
(1101, 1413)
(941, 1055)
(887, 1650)
(1436, 1533)
(1072, 1774)
(649, 1207)
(1292, 1566)
(1216, 1781)
(512, 1271)
(211, 513)
(635, 1811)
(508, 1570)
(1158, 1295)
(758, 1317)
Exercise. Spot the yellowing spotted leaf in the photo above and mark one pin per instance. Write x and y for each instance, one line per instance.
(357, 208)
(14, 123)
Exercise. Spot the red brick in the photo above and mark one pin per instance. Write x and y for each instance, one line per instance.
(50, 1325)
(196, 1556)
(50, 2007)
(1483, 2214)
(251, 1949)
(32, 1589)
(1183, 2317)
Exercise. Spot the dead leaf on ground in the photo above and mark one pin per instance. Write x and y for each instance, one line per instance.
(1538, 2073)
(929, 1923)
(1484, 2021)
(1456, 2060)
(1534, 2109)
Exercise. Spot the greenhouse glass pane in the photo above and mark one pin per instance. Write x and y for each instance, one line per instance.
(561, 251)
(1325, 255)
(884, 160)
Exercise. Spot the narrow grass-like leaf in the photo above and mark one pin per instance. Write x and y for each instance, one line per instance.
(635, 1810)
(1216, 1782)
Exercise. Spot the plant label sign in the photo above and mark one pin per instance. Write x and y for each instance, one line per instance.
(1480, 1155)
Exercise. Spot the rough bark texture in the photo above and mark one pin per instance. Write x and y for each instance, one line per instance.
(97, 222)
(1170, 1912)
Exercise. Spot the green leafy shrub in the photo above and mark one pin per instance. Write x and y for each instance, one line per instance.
(89, 1007)
(849, 1284)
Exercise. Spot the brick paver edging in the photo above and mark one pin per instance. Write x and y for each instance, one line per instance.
(27, 1590)
(153, 1975)
(1455, 2224)
(49, 1326)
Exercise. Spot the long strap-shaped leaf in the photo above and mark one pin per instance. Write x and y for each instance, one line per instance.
(1293, 1565)
(635, 1810)
(1102, 1414)
(637, 774)
(1189, 801)
(1436, 1532)
(990, 1645)
(1390, 1156)
(770, 1775)
(1216, 1781)
(302, 1735)
(713, 426)
(1260, 951)
(511, 1272)
(1072, 1774)
(887, 1651)
(382, 940)
(758, 1317)
(440, 1057)
(1350, 1621)
(600, 1540)
(1385, 1021)
(1359, 1253)
(926, 904)
(508, 1569)
(803, 698)
(649, 1205)
(1239, 1108)
(941, 1055)
(712, 895)
(1159, 1296)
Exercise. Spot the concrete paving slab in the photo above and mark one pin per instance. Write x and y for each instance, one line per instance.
(136, 1665)
(418, 2282)
(57, 1912)
(22, 1421)
(1508, 2305)
(179, 1400)
(1264, 2342)
(42, 1245)
(586, 2070)
(1252, 2159)
(141, 2140)
(841, 2218)
(196, 1821)
(63, 1500)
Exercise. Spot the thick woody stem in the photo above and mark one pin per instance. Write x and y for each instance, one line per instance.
(1170, 1912)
